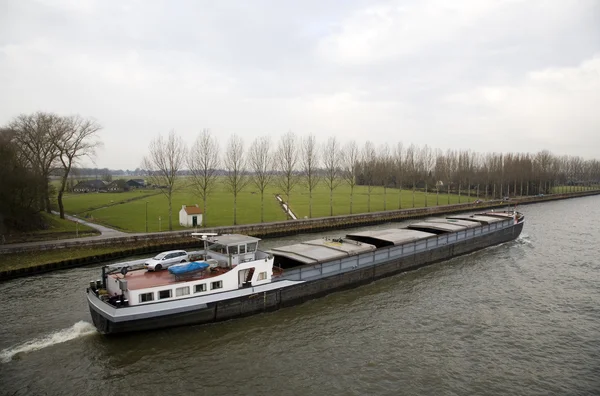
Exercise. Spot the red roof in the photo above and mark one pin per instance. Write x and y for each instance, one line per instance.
(192, 210)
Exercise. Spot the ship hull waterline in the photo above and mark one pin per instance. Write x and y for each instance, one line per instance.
(296, 294)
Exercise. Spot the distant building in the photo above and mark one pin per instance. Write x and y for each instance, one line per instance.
(90, 186)
(136, 183)
(190, 216)
(119, 185)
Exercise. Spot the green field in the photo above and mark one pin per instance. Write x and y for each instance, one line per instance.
(568, 189)
(127, 211)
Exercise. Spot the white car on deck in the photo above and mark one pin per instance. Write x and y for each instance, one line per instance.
(166, 259)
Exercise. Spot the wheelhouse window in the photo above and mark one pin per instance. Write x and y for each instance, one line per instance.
(242, 249)
(145, 297)
(218, 248)
(182, 291)
(200, 288)
(232, 249)
(164, 294)
(262, 275)
(252, 246)
(216, 285)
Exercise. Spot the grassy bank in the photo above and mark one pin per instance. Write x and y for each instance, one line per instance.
(57, 228)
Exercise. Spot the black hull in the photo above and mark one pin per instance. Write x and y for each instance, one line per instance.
(293, 295)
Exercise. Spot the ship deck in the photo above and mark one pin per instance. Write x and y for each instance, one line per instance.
(143, 279)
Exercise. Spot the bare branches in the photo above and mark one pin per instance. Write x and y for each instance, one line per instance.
(332, 160)
(163, 163)
(261, 163)
(310, 164)
(34, 137)
(350, 167)
(368, 158)
(203, 163)
(74, 137)
(286, 163)
(235, 164)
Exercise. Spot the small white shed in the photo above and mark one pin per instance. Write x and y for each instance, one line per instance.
(190, 216)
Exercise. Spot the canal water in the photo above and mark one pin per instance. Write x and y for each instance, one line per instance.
(522, 318)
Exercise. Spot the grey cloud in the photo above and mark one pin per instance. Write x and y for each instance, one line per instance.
(144, 67)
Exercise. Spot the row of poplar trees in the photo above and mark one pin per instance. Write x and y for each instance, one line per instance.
(301, 163)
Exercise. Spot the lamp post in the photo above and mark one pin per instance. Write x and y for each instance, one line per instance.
(146, 216)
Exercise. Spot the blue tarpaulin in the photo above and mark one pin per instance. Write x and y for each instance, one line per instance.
(180, 269)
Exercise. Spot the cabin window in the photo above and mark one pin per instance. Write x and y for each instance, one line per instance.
(232, 249)
(242, 249)
(216, 285)
(252, 246)
(200, 288)
(262, 275)
(145, 297)
(218, 248)
(182, 291)
(164, 294)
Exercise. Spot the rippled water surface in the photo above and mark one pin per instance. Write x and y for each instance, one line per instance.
(519, 318)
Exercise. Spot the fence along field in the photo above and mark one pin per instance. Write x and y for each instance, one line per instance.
(127, 211)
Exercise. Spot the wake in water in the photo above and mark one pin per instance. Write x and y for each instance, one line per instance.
(525, 239)
(79, 329)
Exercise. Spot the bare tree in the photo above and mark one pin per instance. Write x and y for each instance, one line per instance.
(286, 163)
(235, 164)
(261, 163)
(368, 165)
(163, 163)
(74, 137)
(399, 164)
(384, 169)
(310, 165)
(350, 163)
(332, 159)
(34, 137)
(203, 163)
(411, 165)
(427, 163)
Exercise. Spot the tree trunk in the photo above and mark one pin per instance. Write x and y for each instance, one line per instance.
(351, 197)
(384, 198)
(170, 210)
(235, 208)
(47, 196)
(310, 203)
(204, 211)
(330, 202)
(425, 194)
(63, 185)
(61, 209)
(262, 206)
(400, 196)
(468, 191)
(287, 201)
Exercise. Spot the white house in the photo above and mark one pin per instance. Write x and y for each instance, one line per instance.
(190, 216)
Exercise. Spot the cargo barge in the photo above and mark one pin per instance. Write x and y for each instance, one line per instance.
(232, 278)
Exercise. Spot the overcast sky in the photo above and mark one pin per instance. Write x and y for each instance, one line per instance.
(505, 75)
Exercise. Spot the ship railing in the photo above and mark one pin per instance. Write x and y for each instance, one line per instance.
(364, 260)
